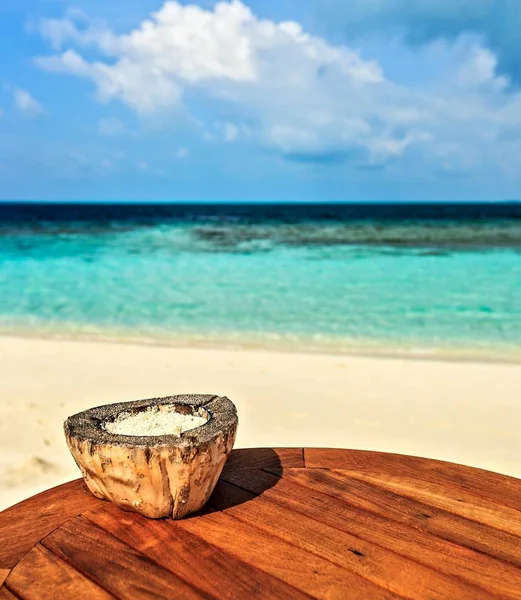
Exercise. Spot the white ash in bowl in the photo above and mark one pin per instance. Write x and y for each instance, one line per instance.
(156, 420)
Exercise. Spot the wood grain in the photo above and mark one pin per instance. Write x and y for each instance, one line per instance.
(214, 571)
(265, 458)
(422, 517)
(462, 503)
(25, 524)
(475, 568)
(382, 566)
(113, 565)
(505, 491)
(301, 569)
(282, 523)
(41, 574)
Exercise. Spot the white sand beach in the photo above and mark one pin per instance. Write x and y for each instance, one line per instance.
(465, 412)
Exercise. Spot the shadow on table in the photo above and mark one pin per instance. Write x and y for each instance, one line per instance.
(248, 474)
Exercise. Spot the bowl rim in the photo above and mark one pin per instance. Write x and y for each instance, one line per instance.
(87, 426)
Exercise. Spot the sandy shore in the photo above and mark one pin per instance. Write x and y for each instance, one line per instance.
(458, 411)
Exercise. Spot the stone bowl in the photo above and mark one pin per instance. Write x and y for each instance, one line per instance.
(156, 476)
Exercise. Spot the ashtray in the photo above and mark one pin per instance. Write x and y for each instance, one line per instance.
(160, 457)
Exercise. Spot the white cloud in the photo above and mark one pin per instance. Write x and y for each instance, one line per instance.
(144, 89)
(419, 22)
(230, 132)
(276, 71)
(111, 126)
(385, 147)
(181, 153)
(480, 69)
(291, 92)
(187, 45)
(27, 104)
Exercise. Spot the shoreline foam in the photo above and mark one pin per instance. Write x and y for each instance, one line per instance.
(238, 341)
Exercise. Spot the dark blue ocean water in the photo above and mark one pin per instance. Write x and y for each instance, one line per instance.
(320, 276)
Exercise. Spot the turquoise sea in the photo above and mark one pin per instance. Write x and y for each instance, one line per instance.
(321, 277)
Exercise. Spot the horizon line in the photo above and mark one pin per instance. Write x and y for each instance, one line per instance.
(252, 202)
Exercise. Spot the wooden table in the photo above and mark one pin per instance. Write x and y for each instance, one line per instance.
(288, 523)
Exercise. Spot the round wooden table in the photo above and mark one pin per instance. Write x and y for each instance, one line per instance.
(286, 523)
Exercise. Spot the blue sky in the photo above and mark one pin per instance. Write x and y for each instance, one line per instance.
(260, 100)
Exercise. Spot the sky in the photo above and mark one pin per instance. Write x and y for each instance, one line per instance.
(262, 100)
